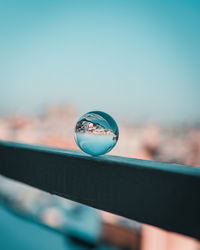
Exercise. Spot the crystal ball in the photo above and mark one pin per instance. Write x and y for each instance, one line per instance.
(96, 133)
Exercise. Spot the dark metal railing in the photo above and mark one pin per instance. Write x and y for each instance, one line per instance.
(161, 194)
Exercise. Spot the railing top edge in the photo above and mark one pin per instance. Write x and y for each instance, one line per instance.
(112, 159)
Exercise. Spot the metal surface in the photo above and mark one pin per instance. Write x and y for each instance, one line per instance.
(156, 193)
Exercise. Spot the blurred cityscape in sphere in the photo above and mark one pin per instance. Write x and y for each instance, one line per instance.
(176, 143)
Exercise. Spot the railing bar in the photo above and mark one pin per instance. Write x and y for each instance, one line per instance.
(161, 194)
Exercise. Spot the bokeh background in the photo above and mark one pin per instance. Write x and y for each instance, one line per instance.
(136, 60)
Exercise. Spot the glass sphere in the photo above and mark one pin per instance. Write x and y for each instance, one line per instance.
(96, 133)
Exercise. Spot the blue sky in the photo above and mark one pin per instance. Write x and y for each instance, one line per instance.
(135, 59)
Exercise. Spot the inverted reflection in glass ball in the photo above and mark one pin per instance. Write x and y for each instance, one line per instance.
(96, 133)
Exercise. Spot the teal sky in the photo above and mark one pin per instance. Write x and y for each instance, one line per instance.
(135, 59)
